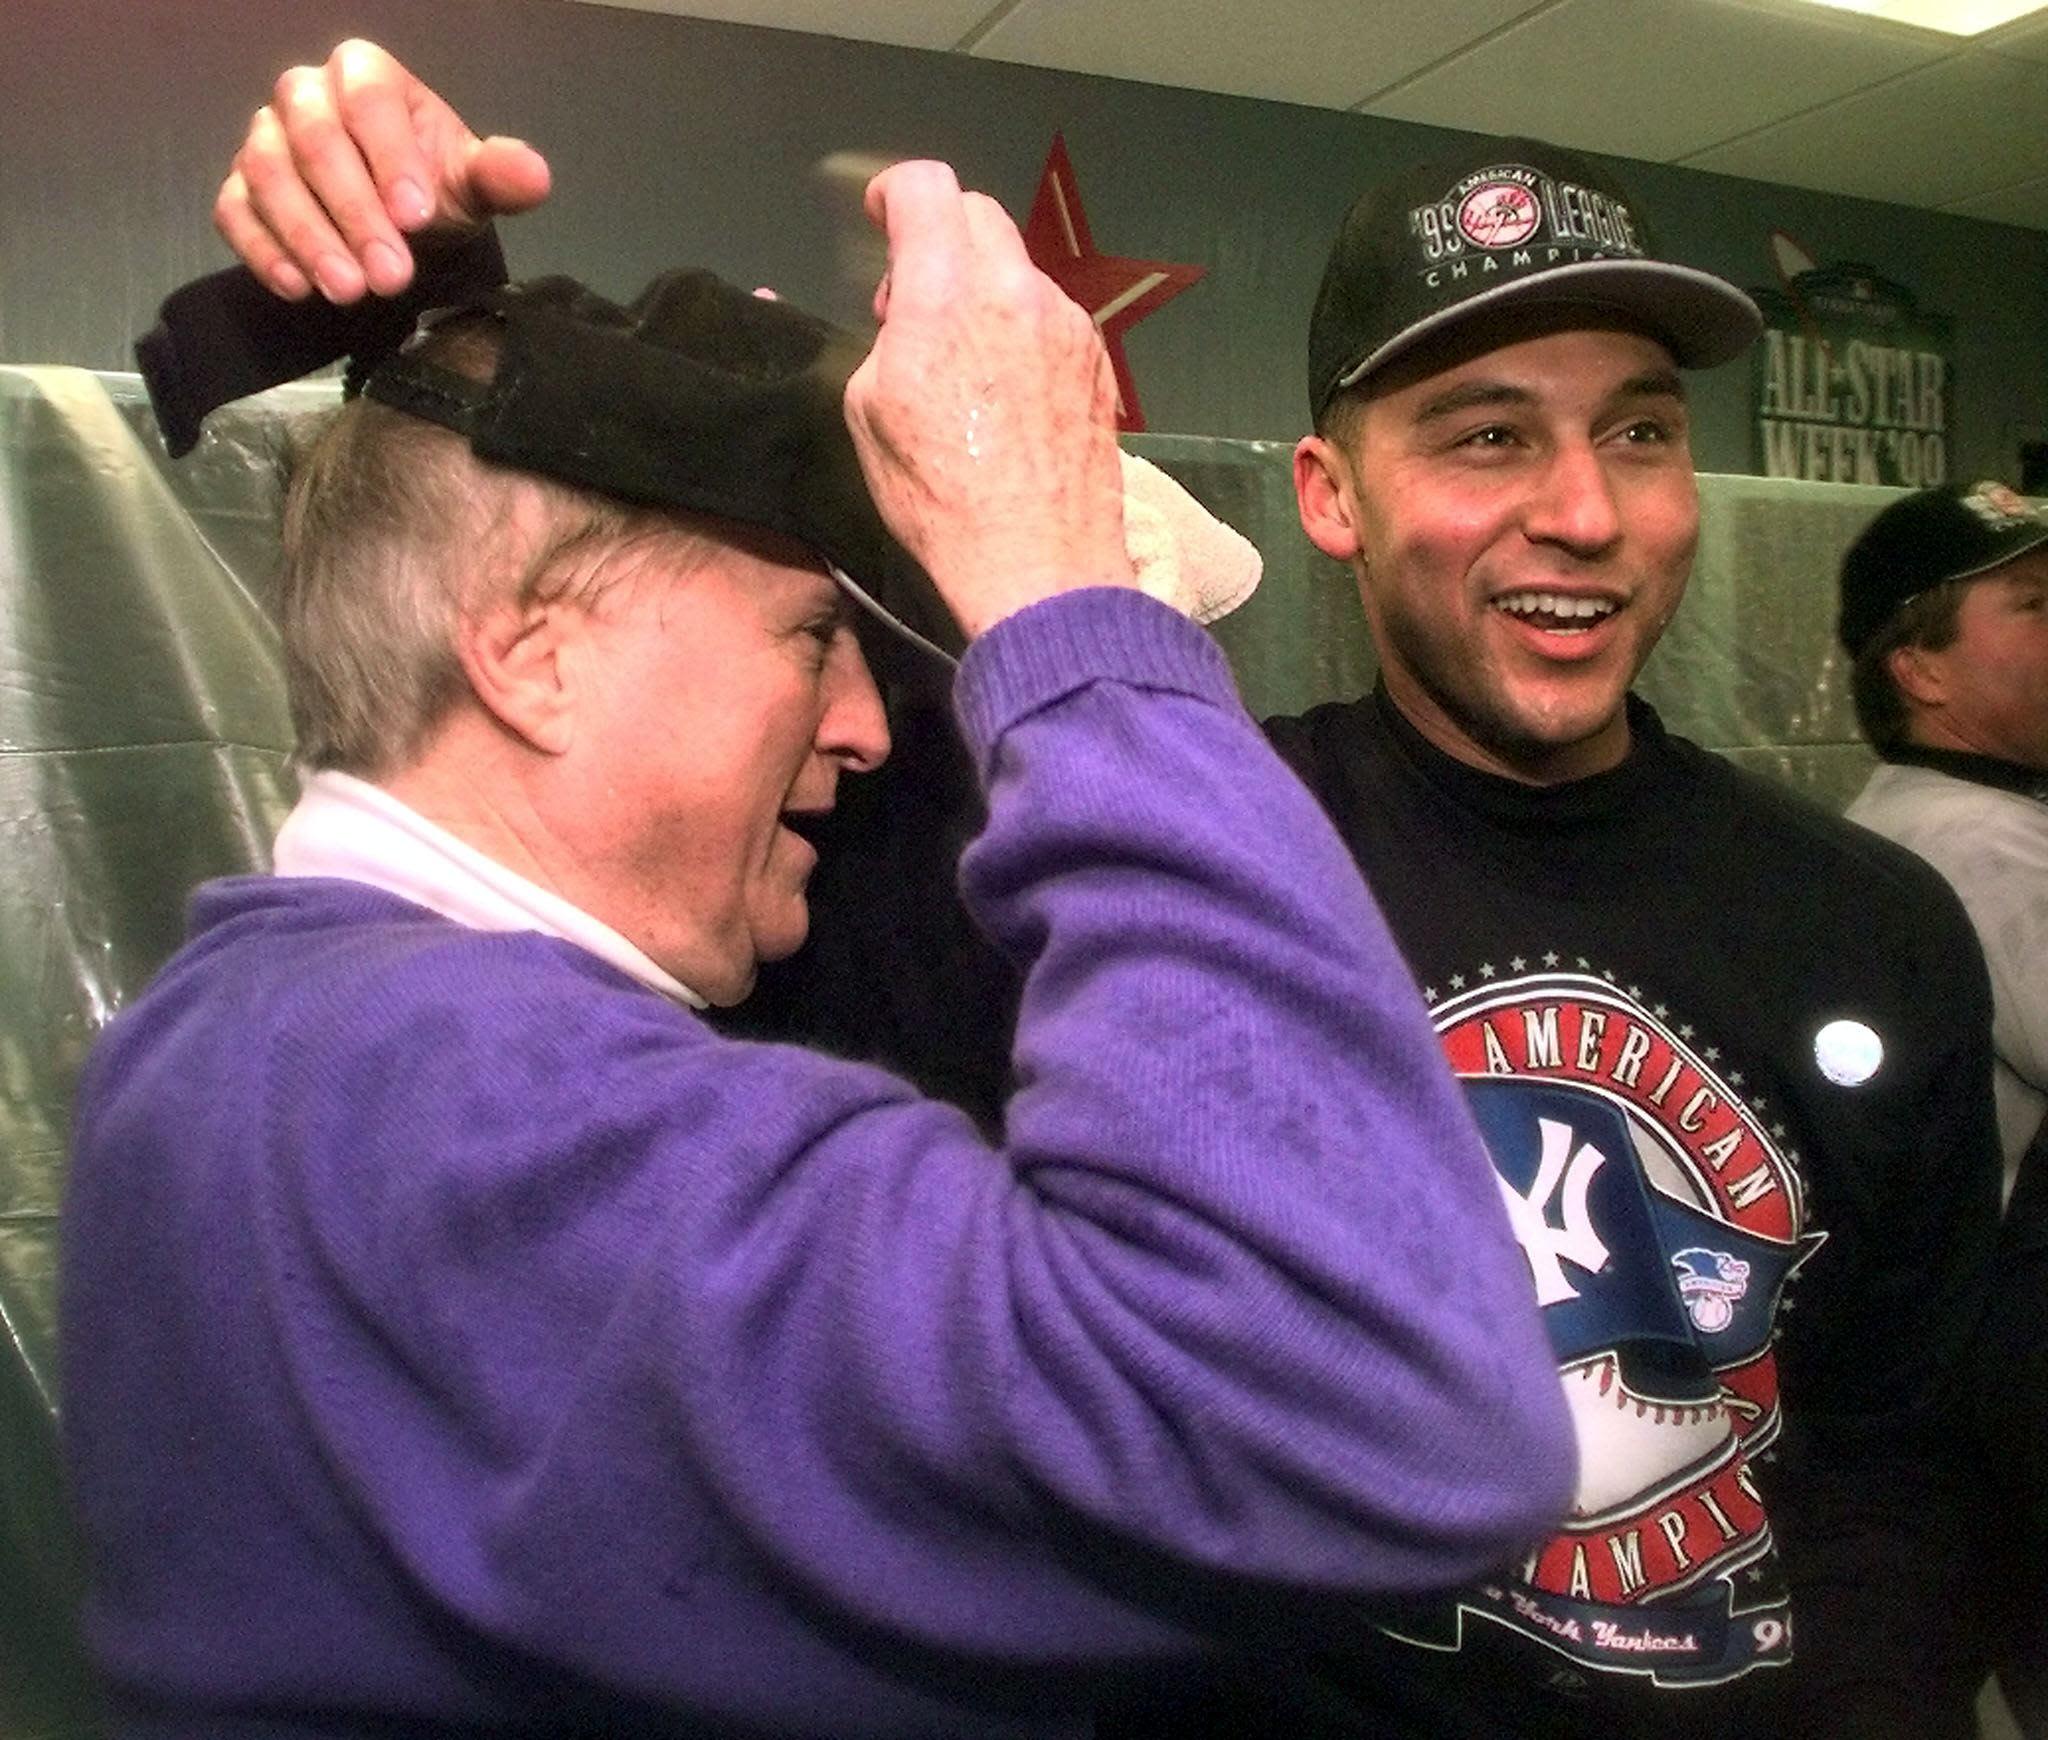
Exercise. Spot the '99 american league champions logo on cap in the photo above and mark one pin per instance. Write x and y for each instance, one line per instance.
(1511, 206)
(1505, 221)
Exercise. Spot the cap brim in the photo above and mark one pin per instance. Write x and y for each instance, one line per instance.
(2020, 543)
(1701, 319)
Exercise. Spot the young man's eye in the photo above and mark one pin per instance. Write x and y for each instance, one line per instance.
(1648, 432)
(1493, 435)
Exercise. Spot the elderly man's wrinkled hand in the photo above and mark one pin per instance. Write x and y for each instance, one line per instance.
(345, 162)
(985, 413)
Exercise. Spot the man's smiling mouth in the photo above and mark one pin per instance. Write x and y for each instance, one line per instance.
(1556, 611)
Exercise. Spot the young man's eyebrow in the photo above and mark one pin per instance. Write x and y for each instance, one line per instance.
(1485, 394)
(1473, 395)
(1654, 384)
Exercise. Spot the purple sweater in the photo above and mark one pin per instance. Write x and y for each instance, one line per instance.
(457, 1333)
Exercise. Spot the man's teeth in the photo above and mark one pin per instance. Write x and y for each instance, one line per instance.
(1578, 612)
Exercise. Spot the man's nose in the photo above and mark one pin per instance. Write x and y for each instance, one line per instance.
(1574, 506)
(854, 727)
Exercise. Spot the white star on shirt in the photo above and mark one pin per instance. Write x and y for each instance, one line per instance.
(1486, 969)
(1457, 981)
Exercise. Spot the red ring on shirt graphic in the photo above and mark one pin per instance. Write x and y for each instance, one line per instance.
(1499, 214)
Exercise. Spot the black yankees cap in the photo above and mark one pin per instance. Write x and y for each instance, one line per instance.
(1955, 532)
(697, 396)
(1499, 223)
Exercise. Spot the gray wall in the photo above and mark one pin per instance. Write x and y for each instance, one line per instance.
(676, 141)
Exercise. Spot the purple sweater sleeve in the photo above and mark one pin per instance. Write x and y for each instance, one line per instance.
(1239, 1283)
(547, 1321)
(1237, 1292)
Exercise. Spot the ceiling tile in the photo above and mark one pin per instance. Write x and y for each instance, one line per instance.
(907, 23)
(1655, 79)
(1325, 52)
(2025, 204)
(1964, 126)
(2027, 40)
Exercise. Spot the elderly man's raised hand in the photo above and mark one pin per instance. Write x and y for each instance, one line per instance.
(985, 414)
(350, 158)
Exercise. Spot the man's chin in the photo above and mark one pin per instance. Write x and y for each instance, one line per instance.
(779, 942)
(1548, 745)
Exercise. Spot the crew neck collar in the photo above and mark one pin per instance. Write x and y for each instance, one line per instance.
(1513, 801)
(1988, 770)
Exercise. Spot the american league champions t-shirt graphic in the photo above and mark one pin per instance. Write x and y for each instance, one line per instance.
(1661, 1219)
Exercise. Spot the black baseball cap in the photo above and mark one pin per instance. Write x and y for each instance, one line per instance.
(1955, 532)
(696, 396)
(1500, 223)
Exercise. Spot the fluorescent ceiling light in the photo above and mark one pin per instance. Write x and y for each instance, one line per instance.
(1956, 17)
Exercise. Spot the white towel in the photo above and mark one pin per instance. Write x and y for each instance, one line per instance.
(1184, 555)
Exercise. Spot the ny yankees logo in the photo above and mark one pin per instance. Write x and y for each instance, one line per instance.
(1578, 1241)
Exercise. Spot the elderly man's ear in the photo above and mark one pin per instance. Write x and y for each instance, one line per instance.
(1325, 503)
(529, 667)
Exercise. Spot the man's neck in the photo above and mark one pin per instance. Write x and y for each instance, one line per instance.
(1533, 764)
(1939, 733)
(348, 828)
(1972, 765)
(493, 816)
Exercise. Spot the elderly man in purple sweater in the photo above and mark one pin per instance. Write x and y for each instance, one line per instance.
(461, 1335)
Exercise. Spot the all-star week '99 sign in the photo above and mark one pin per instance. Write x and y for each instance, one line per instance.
(1852, 381)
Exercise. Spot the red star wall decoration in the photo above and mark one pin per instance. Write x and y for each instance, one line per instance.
(1118, 293)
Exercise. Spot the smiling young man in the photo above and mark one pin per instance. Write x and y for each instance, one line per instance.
(1728, 1053)
(1524, 536)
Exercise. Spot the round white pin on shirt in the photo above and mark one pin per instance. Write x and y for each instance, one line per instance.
(1848, 1052)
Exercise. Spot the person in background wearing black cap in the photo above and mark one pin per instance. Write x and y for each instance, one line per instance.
(1728, 1052)
(460, 1336)
(1744, 1152)
(1945, 614)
